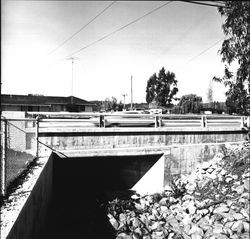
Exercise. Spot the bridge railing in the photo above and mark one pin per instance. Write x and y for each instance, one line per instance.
(204, 121)
(107, 120)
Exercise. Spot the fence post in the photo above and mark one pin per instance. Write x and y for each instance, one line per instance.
(3, 156)
(37, 137)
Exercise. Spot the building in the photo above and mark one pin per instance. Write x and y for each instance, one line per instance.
(41, 103)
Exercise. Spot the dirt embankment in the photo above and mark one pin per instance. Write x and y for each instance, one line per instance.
(213, 202)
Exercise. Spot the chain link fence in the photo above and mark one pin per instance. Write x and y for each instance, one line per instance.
(18, 148)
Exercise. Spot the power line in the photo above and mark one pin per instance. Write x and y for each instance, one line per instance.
(205, 4)
(119, 29)
(99, 14)
(206, 50)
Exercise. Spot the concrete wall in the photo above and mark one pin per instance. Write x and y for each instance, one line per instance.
(183, 150)
(124, 138)
(31, 219)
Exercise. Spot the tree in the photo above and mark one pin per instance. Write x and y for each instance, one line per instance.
(190, 104)
(161, 88)
(210, 92)
(111, 104)
(236, 49)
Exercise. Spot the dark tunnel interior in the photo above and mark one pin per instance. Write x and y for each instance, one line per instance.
(82, 185)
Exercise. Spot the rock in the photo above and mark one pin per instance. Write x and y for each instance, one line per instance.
(196, 235)
(246, 175)
(235, 177)
(135, 197)
(227, 231)
(221, 209)
(113, 222)
(223, 172)
(237, 227)
(212, 176)
(171, 235)
(245, 195)
(246, 226)
(135, 222)
(246, 184)
(164, 201)
(238, 216)
(154, 226)
(196, 230)
(138, 231)
(168, 188)
(229, 224)
(218, 228)
(239, 189)
(210, 170)
(245, 213)
(228, 179)
(206, 165)
(123, 236)
(203, 223)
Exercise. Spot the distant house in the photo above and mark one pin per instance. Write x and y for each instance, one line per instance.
(41, 103)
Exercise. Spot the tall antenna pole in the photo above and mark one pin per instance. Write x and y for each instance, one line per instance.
(72, 77)
(131, 92)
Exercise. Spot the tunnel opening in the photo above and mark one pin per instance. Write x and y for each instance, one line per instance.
(82, 186)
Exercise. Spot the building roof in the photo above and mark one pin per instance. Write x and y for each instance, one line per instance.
(40, 100)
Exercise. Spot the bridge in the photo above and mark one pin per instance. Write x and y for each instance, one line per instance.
(180, 141)
(115, 152)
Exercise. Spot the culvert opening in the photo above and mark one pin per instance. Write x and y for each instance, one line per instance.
(82, 186)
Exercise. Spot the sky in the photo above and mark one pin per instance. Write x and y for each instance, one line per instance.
(183, 38)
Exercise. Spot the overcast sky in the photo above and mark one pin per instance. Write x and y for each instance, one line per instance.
(175, 37)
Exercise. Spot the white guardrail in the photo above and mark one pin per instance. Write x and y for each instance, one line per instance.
(106, 120)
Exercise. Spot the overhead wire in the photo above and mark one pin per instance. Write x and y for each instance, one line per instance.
(73, 35)
(205, 4)
(214, 44)
(119, 29)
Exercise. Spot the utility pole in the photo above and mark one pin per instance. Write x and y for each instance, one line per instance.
(72, 76)
(124, 95)
(131, 93)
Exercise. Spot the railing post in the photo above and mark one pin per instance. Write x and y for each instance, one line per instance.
(160, 119)
(3, 156)
(37, 136)
(101, 121)
(156, 121)
(242, 122)
(248, 121)
(203, 121)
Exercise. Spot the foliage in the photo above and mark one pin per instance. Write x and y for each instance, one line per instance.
(210, 92)
(215, 107)
(190, 103)
(107, 105)
(236, 49)
(161, 88)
